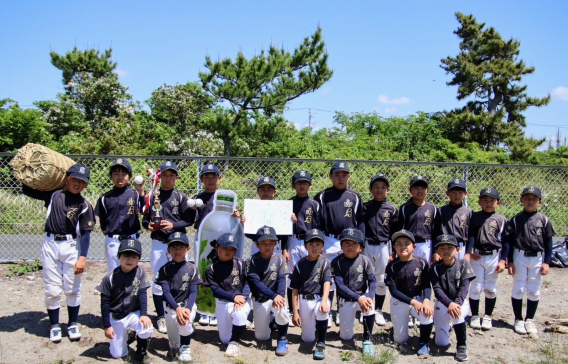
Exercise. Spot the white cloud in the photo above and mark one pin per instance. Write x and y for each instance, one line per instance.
(390, 110)
(560, 93)
(384, 99)
(121, 73)
(326, 90)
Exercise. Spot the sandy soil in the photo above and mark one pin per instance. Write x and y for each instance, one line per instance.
(24, 330)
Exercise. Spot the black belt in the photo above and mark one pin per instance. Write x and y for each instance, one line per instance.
(300, 236)
(486, 252)
(372, 242)
(119, 316)
(124, 237)
(309, 297)
(61, 237)
(348, 299)
(262, 299)
(527, 253)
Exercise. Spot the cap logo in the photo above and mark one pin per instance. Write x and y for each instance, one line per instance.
(82, 170)
(119, 161)
(419, 177)
(266, 179)
(168, 164)
(488, 190)
(302, 173)
(456, 181)
(445, 237)
(314, 231)
(131, 243)
(267, 231)
(209, 166)
(231, 238)
(350, 232)
(341, 165)
(531, 189)
(177, 235)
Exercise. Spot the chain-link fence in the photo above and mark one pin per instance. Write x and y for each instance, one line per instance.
(22, 218)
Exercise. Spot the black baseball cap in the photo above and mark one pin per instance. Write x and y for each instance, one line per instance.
(353, 234)
(130, 245)
(338, 167)
(379, 177)
(302, 176)
(80, 171)
(168, 165)
(266, 181)
(405, 233)
(266, 233)
(227, 240)
(446, 239)
(178, 237)
(123, 163)
(532, 190)
(210, 168)
(314, 234)
(418, 180)
(456, 184)
(490, 191)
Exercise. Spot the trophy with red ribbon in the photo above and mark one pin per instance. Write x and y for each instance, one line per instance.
(157, 208)
(154, 181)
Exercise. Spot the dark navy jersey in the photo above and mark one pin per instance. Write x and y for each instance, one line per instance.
(118, 211)
(200, 213)
(123, 291)
(451, 283)
(486, 230)
(381, 219)
(410, 278)
(229, 276)
(179, 276)
(307, 212)
(354, 276)
(530, 231)
(174, 210)
(340, 209)
(425, 221)
(455, 221)
(266, 274)
(69, 213)
(308, 276)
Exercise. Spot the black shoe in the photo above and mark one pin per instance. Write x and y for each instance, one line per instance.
(141, 358)
(461, 353)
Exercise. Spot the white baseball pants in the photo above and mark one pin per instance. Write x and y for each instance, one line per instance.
(119, 345)
(261, 318)
(485, 276)
(442, 321)
(175, 330)
(347, 311)
(59, 258)
(424, 250)
(309, 313)
(527, 277)
(158, 257)
(399, 316)
(379, 256)
(227, 316)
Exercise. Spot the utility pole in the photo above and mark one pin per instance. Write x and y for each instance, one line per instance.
(310, 118)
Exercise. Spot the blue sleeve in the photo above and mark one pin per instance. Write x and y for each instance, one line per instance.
(257, 283)
(395, 293)
(168, 295)
(192, 296)
(218, 292)
(283, 241)
(281, 285)
(469, 245)
(547, 250)
(361, 216)
(246, 290)
(427, 293)
(44, 196)
(343, 290)
(505, 247)
(372, 281)
(84, 242)
(143, 299)
(463, 291)
(105, 310)
(438, 291)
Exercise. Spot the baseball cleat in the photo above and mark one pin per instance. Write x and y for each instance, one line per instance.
(55, 334)
(423, 350)
(475, 322)
(487, 323)
(282, 348)
(520, 327)
(380, 319)
(329, 321)
(204, 320)
(74, 332)
(461, 353)
(319, 354)
(213, 321)
(162, 325)
(368, 348)
(232, 349)
(184, 354)
(530, 327)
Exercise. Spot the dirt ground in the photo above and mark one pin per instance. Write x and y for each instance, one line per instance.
(24, 330)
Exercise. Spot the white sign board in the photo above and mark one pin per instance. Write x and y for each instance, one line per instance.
(277, 214)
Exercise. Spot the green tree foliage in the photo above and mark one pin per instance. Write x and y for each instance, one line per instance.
(90, 61)
(488, 72)
(262, 85)
(20, 126)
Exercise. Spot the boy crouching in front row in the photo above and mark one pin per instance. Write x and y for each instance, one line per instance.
(124, 303)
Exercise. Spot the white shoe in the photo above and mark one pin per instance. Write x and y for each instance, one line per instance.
(232, 349)
(475, 322)
(184, 354)
(162, 326)
(380, 319)
(530, 327)
(204, 320)
(487, 323)
(329, 321)
(74, 332)
(213, 321)
(337, 319)
(360, 317)
(410, 321)
(55, 334)
(290, 322)
(520, 327)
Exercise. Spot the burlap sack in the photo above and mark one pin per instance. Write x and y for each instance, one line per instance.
(40, 167)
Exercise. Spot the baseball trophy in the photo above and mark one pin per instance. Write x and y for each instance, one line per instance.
(157, 208)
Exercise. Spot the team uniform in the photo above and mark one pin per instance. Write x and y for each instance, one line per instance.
(307, 211)
(267, 278)
(123, 301)
(450, 284)
(407, 281)
(308, 278)
(227, 279)
(69, 221)
(424, 222)
(455, 221)
(353, 278)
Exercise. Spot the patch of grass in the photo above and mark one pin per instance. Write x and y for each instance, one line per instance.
(347, 355)
(24, 267)
(240, 361)
(383, 355)
(546, 284)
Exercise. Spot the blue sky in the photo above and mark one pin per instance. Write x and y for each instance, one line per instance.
(385, 55)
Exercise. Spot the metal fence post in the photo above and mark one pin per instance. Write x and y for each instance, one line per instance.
(465, 178)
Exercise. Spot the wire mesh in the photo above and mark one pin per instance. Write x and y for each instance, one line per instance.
(22, 218)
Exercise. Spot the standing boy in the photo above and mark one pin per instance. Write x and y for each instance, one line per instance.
(455, 216)
(341, 208)
(266, 273)
(168, 213)
(118, 211)
(530, 235)
(408, 281)
(450, 279)
(310, 281)
(68, 225)
(355, 281)
(485, 255)
(381, 218)
(179, 280)
(226, 277)
(124, 303)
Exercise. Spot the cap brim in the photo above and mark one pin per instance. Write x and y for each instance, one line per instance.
(129, 250)
(314, 238)
(121, 165)
(333, 170)
(457, 188)
(380, 179)
(178, 241)
(488, 194)
(302, 179)
(446, 242)
(79, 176)
(530, 193)
(398, 235)
(266, 237)
(267, 183)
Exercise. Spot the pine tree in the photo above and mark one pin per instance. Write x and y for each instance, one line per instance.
(488, 73)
